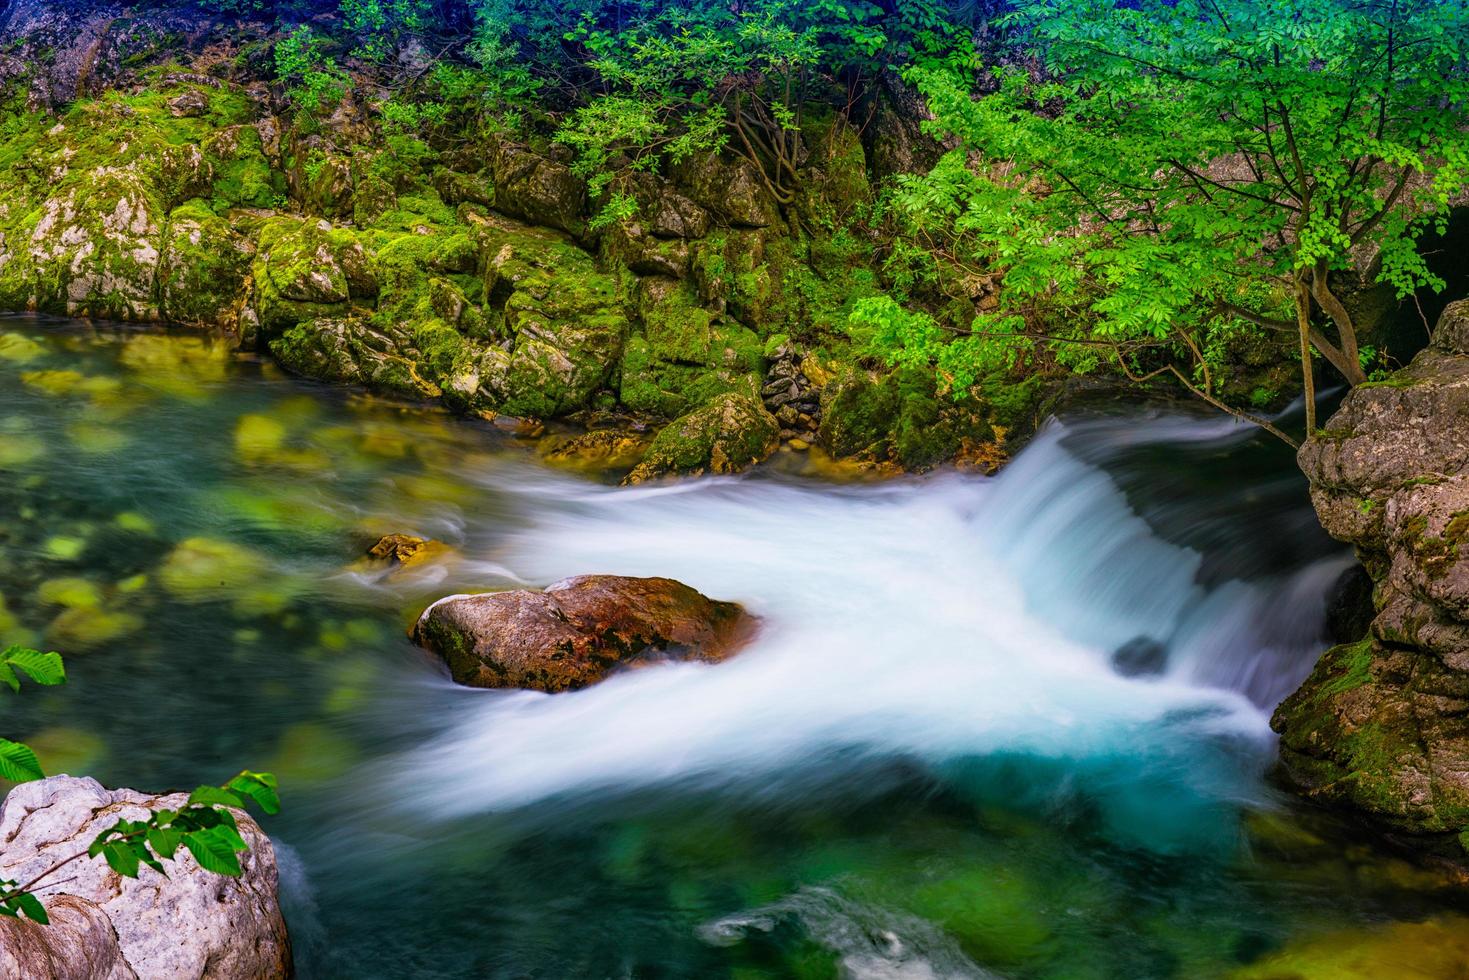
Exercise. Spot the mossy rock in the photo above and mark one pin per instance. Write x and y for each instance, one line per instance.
(729, 434)
(201, 273)
(900, 417)
(70, 592)
(97, 245)
(87, 628)
(858, 415)
(1357, 733)
(304, 270)
(202, 569)
(18, 349)
(348, 350)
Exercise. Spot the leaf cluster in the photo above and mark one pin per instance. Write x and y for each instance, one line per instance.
(204, 825)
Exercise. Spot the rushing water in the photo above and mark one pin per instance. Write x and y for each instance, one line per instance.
(926, 766)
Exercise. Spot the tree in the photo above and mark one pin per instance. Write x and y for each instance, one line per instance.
(204, 825)
(1172, 173)
(678, 79)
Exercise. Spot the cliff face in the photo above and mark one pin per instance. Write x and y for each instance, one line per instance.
(1382, 725)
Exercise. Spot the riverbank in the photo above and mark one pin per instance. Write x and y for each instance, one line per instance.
(928, 737)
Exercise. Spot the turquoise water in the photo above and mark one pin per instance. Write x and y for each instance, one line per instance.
(924, 767)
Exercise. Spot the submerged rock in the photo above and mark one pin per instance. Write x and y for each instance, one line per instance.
(578, 631)
(1382, 725)
(1140, 656)
(405, 549)
(190, 925)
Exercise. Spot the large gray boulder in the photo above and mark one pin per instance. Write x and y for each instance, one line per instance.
(1382, 725)
(190, 925)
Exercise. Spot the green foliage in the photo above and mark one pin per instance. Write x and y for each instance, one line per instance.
(1185, 170)
(680, 79)
(18, 763)
(313, 80)
(204, 825)
(382, 25)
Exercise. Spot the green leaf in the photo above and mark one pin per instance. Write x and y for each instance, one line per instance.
(215, 796)
(18, 763)
(164, 841)
(43, 668)
(121, 858)
(258, 786)
(213, 852)
(32, 908)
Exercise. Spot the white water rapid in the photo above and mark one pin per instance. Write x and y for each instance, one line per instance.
(933, 619)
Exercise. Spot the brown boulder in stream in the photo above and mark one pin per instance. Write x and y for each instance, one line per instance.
(578, 631)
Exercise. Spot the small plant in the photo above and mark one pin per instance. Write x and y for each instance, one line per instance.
(204, 825)
(313, 80)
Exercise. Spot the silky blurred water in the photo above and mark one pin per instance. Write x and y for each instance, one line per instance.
(925, 766)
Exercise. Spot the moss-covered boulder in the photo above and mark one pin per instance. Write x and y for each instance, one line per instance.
(305, 270)
(94, 247)
(900, 417)
(564, 321)
(686, 354)
(730, 187)
(202, 269)
(537, 189)
(857, 415)
(731, 433)
(351, 350)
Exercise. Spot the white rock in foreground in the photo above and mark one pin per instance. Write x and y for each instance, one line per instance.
(191, 925)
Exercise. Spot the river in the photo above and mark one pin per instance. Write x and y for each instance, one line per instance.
(926, 765)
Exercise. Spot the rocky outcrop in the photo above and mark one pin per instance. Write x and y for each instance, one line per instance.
(191, 925)
(1382, 725)
(577, 631)
(79, 943)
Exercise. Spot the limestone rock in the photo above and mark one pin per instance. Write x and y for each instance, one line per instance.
(537, 189)
(191, 925)
(405, 549)
(577, 631)
(351, 350)
(1382, 725)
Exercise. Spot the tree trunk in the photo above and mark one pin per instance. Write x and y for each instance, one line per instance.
(1308, 371)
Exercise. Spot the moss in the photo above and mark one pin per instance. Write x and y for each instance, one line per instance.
(200, 569)
(1398, 379)
(1350, 667)
(857, 415)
